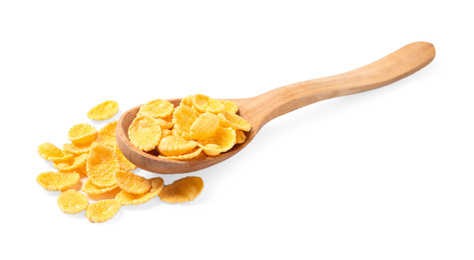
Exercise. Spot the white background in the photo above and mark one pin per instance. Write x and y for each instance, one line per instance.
(385, 174)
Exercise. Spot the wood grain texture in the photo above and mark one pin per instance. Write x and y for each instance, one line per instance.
(261, 109)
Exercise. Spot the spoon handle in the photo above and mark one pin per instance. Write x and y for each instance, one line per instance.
(391, 68)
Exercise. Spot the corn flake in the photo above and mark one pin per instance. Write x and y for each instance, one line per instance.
(71, 164)
(187, 101)
(103, 111)
(175, 145)
(78, 149)
(204, 126)
(165, 133)
(183, 118)
(102, 164)
(234, 121)
(106, 135)
(229, 106)
(57, 181)
(132, 183)
(164, 124)
(182, 190)
(204, 103)
(91, 189)
(239, 136)
(72, 201)
(103, 210)
(81, 134)
(222, 141)
(194, 154)
(156, 109)
(144, 133)
(127, 198)
(125, 164)
(50, 152)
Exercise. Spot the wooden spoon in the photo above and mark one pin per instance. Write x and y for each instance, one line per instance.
(261, 109)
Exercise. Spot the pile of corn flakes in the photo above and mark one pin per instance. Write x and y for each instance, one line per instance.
(200, 126)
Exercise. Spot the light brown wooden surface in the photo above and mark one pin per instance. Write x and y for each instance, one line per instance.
(261, 109)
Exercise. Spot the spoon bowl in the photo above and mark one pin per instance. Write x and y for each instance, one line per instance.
(261, 109)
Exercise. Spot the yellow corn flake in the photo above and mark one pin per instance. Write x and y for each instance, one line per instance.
(78, 149)
(144, 133)
(72, 201)
(81, 170)
(91, 189)
(175, 145)
(50, 152)
(106, 135)
(156, 109)
(72, 164)
(176, 132)
(223, 140)
(57, 181)
(239, 136)
(234, 121)
(206, 104)
(165, 133)
(194, 154)
(183, 118)
(197, 113)
(182, 190)
(125, 164)
(169, 118)
(103, 111)
(132, 183)
(81, 134)
(187, 101)
(164, 124)
(102, 164)
(204, 126)
(229, 106)
(103, 210)
(127, 198)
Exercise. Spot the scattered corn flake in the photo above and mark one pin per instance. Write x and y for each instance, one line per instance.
(103, 111)
(204, 126)
(102, 210)
(106, 135)
(72, 164)
(50, 152)
(223, 140)
(175, 145)
(182, 190)
(234, 121)
(91, 189)
(125, 164)
(239, 136)
(134, 199)
(102, 164)
(144, 133)
(81, 170)
(132, 183)
(82, 134)
(229, 106)
(157, 108)
(78, 149)
(72, 201)
(194, 154)
(204, 103)
(57, 181)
